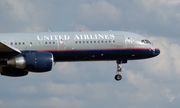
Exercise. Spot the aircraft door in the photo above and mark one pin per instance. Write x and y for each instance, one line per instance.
(128, 41)
(61, 44)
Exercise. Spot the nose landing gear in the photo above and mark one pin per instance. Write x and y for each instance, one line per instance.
(118, 77)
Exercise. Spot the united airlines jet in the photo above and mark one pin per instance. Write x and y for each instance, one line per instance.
(21, 53)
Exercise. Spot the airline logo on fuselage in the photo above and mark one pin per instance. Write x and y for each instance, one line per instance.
(76, 37)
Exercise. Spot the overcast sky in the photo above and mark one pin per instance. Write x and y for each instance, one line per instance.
(151, 83)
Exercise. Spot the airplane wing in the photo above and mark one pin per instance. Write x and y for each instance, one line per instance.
(8, 49)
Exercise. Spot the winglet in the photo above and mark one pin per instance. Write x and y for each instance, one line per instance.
(7, 48)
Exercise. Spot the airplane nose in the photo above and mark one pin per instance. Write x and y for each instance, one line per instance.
(157, 51)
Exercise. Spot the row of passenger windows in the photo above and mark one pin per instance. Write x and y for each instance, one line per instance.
(42, 43)
(19, 43)
(110, 41)
(30, 43)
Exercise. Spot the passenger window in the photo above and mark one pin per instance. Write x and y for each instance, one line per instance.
(39, 43)
(94, 41)
(87, 41)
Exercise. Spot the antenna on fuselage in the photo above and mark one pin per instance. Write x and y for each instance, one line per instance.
(49, 30)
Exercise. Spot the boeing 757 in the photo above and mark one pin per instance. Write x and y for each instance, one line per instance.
(21, 53)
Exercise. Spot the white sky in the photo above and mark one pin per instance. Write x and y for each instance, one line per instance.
(151, 83)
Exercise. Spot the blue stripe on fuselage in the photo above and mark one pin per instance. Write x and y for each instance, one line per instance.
(104, 54)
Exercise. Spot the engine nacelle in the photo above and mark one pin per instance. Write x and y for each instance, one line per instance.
(13, 72)
(33, 61)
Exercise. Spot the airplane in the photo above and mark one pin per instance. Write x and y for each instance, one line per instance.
(21, 53)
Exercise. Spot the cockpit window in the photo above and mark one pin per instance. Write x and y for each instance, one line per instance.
(146, 41)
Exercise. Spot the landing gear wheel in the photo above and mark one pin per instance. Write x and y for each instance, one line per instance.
(118, 77)
(119, 69)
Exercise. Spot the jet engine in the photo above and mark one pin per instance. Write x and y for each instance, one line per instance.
(33, 61)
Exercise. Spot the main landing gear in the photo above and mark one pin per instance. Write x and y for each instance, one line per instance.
(118, 77)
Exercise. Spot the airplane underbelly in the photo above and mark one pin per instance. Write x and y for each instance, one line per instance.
(126, 54)
(91, 55)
